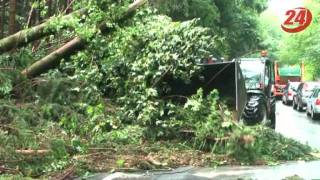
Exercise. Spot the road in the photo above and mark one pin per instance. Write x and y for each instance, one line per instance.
(297, 125)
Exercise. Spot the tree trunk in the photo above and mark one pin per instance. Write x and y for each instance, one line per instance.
(63, 5)
(49, 11)
(55, 6)
(53, 59)
(26, 36)
(69, 8)
(30, 17)
(12, 16)
(30, 152)
(38, 19)
(2, 18)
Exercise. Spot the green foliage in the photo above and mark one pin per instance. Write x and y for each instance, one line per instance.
(205, 10)
(120, 163)
(235, 21)
(216, 131)
(10, 66)
(165, 49)
(130, 65)
(6, 85)
(33, 126)
(261, 143)
(239, 22)
(279, 147)
(271, 33)
(126, 135)
(207, 117)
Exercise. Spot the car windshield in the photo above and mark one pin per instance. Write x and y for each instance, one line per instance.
(252, 71)
(294, 85)
(310, 86)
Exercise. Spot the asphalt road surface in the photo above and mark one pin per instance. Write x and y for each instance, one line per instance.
(297, 125)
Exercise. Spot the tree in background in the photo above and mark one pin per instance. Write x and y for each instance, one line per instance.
(12, 16)
(2, 17)
(235, 21)
(18, 14)
(271, 33)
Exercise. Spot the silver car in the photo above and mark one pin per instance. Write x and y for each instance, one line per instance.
(313, 104)
(302, 95)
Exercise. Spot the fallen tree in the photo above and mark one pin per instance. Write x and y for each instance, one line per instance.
(54, 58)
(29, 35)
(30, 152)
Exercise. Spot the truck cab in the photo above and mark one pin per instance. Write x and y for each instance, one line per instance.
(259, 80)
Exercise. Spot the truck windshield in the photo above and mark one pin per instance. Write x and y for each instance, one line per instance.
(252, 72)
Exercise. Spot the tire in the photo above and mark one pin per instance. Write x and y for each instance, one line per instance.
(308, 114)
(284, 101)
(255, 111)
(300, 109)
(294, 105)
(314, 116)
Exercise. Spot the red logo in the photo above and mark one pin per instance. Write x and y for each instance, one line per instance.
(298, 20)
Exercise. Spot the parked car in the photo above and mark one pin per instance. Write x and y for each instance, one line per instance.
(313, 104)
(289, 91)
(303, 92)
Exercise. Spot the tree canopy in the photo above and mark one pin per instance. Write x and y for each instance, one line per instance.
(235, 21)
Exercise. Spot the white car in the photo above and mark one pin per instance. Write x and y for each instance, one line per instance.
(289, 91)
(313, 104)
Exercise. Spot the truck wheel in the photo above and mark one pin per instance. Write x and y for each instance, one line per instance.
(255, 111)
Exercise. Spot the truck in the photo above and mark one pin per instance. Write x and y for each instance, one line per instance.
(285, 73)
(259, 79)
(246, 83)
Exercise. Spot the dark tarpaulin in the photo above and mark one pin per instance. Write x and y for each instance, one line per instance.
(226, 77)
